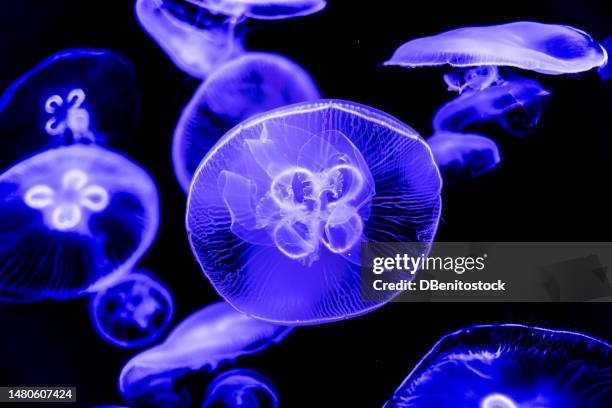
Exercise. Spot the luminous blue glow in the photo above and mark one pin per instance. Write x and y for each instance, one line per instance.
(241, 388)
(546, 48)
(606, 71)
(133, 312)
(72, 218)
(213, 335)
(472, 79)
(253, 83)
(510, 366)
(462, 156)
(79, 95)
(257, 9)
(516, 104)
(298, 189)
(197, 51)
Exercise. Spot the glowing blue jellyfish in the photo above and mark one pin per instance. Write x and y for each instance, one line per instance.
(463, 156)
(133, 312)
(241, 388)
(253, 83)
(298, 190)
(211, 336)
(546, 48)
(79, 95)
(194, 48)
(257, 9)
(472, 79)
(516, 104)
(510, 366)
(606, 71)
(71, 219)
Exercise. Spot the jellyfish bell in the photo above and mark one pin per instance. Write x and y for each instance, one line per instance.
(135, 310)
(551, 49)
(78, 95)
(510, 366)
(462, 156)
(297, 190)
(241, 88)
(241, 388)
(256, 9)
(516, 104)
(195, 49)
(72, 219)
(211, 336)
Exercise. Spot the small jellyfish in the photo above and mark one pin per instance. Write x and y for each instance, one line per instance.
(72, 219)
(606, 71)
(211, 336)
(79, 95)
(195, 48)
(241, 388)
(516, 104)
(253, 83)
(510, 366)
(134, 311)
(545, 48)
(278, 209)
(463, 156)
(472, 79)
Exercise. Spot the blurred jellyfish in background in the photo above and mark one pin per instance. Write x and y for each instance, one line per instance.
(606, 71)
(133, 312)
(241, 388)
(200, 35)
(510, 366)
(515, 103)
(299, 189)
(78, 95)
(195, 44)
(545, 48)
(250, 84)
(462, 156)
(214, 335)
(71, 220)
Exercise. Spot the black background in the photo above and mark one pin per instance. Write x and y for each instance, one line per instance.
(552, 186)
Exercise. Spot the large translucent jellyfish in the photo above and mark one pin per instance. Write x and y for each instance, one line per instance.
(462, 156)
(195, 44)
(72, 219)
(79, 95)
(606, 71)
(241, 388)
(133, 312)
(510, 366)
(546, 48)
(211, 336)
(516, 104)
(253, 83)
(257, 9)
(279, 208)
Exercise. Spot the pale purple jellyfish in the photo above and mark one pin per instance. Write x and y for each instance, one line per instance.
(74, 96)
(134, 311)
(196, 50)
(463, 156)
(241, 388)
(214, 335)
(279, 208)
(515, 103)
(510, 366)
(546, 48)
(250, 84)
(72, 219)
(257, 9)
